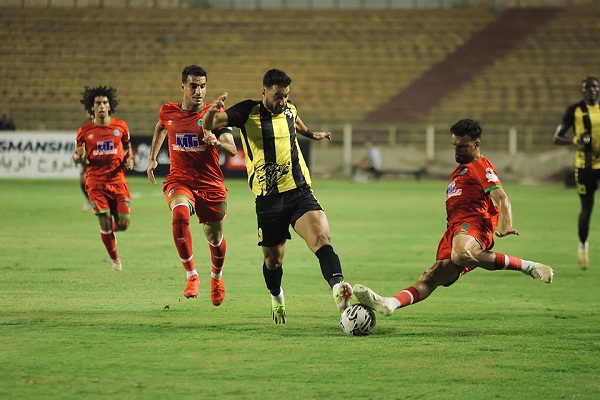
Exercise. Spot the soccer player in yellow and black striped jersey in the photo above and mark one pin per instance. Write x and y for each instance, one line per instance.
(584, 119)
(280, 180)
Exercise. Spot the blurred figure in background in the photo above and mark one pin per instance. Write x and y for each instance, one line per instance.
(584, 119)
(195, 183)
(104, 143)
(6, 122)
(369, 164)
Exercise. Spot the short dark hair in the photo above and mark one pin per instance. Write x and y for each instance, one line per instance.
(193, 70)
(90, 93)
(276, 77)
(467, 127)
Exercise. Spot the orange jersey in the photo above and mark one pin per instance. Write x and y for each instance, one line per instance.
(193, 162)
(104, 150)
(468, 193)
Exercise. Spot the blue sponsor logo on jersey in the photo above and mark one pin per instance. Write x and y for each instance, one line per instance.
(452, 190)
(187, 140)
(105, 147)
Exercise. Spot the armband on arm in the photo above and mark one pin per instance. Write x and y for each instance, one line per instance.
(309, 134)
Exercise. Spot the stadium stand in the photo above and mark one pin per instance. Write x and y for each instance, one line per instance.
(346, 64)
(530, 87)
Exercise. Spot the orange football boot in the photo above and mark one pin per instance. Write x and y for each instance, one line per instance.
(191, 288)
(217, 291)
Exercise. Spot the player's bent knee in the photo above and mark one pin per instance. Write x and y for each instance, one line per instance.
(429, 275)
(123, 225)
(442, 272)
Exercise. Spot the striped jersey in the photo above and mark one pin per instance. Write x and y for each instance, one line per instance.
(575, 117)
(274, 161)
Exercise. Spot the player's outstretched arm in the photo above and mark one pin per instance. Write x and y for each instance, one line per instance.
(501, 199)
(214, 116)
(303, 130)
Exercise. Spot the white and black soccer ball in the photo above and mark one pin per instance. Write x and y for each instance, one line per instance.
(358, 320)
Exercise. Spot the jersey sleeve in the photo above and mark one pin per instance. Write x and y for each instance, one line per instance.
(79, 140)
(569, 116)
(126, 137)
(237, 115)
(161, 114)
(487, 176)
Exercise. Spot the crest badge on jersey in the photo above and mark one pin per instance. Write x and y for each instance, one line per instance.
(199, 122)
(116, 132)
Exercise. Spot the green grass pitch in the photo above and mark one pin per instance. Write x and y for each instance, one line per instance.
(72, 328)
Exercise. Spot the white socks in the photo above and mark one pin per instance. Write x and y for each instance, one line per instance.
(190, 273)
(279, 297)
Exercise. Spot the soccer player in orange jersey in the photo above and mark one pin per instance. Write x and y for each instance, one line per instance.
(104, 143)
(195, 183)
(475, 200)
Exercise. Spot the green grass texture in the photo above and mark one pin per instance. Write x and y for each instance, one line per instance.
(71, 328)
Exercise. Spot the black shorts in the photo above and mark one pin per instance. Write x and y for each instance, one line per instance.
(275, 213)
(586, 180)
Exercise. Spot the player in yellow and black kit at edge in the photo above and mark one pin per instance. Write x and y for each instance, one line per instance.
(280, 181)
(584, 119)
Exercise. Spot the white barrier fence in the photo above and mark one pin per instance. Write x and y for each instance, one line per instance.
(31, 154)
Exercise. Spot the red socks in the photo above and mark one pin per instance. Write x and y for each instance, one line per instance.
(110, 242)
(504, 261)
(408, 296)
(217, 256)
(182, 236)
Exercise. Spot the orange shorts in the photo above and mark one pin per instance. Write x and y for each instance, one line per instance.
(208, 206)
(110, 197)
(481, 229)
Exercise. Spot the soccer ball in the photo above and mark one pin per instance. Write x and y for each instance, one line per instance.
(358, 320)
